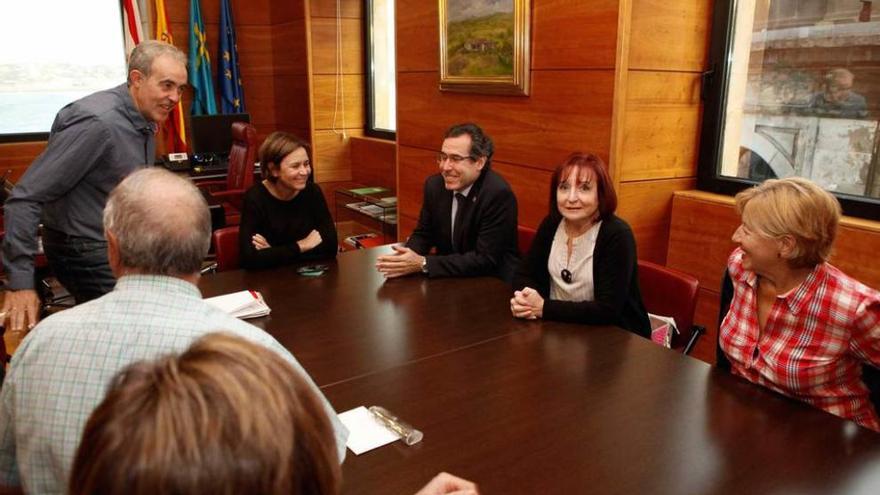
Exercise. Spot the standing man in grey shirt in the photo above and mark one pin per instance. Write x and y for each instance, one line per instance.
(94, 143)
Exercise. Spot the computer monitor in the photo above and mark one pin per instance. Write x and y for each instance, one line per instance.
(212, 134)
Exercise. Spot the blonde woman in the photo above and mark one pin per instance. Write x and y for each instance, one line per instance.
(797, 324)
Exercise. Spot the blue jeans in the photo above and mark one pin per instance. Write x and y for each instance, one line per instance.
(80, 264)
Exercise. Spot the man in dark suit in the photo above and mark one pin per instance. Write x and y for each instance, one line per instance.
(468, 216)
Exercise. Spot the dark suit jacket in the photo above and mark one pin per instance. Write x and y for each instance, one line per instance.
(618, 300)
(486, 242)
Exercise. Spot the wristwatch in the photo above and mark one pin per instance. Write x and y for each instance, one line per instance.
(425, 265)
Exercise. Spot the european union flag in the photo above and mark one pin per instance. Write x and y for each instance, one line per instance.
(229, 76)
(200, 64)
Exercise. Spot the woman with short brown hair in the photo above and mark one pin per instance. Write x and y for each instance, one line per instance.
(284, 218)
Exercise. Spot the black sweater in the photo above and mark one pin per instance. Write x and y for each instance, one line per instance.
(618, 300)
(283, 223)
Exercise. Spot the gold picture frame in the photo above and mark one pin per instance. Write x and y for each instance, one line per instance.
(484, 46)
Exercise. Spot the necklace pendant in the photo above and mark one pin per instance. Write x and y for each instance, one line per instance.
(566, 275)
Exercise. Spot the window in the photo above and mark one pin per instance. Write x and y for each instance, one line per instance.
(55, 52)
(794, 90)
(381, 86)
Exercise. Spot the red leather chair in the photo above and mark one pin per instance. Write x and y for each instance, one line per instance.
(672, 293)
(524, 237)
(225, 242)
(240, 176)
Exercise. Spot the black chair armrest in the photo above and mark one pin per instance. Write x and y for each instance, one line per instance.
(696, 332)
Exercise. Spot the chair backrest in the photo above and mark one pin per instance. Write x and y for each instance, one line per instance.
(226, 248)
(242, 156)
(669, 292)
(524, 237)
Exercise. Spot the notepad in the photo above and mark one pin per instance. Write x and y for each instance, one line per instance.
(365, 432)
(244, 304)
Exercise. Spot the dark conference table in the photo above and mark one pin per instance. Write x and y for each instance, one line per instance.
(541, 407)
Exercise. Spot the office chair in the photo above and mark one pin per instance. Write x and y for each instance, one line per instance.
(524, 237)
(240, 175)
(672, 293)
(226, 248)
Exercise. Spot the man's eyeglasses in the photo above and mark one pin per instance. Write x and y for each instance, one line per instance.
(442, 157)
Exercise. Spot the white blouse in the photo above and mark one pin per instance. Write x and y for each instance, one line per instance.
(580, 264)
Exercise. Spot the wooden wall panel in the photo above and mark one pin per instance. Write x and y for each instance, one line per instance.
(289, 48)
(292, 101)
(374, 162)
(260, 99)
(661, 126)
(284, 11)
(414, 165)
(699, 241)
(324, 98)
(417, 37)
(531, 187)
(18, 156)
(647, 207)
(699, 236)
(244, 12)
(670, 35)
(567, 110)
(350, 9)
(574, 34)
(332, 156)
(323, 32)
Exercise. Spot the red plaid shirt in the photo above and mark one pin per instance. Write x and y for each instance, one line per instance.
(814, 342)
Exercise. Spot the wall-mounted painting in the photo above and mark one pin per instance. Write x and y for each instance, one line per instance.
(484, 46)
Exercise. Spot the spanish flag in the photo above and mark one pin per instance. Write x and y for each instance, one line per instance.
(175, 133)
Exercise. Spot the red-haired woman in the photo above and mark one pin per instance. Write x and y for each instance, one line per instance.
(582, 266)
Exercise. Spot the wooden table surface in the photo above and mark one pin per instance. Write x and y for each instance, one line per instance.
(541, 407)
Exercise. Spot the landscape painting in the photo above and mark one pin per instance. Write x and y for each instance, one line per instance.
(484, 46)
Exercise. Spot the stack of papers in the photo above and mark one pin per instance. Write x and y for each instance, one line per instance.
(244, 304)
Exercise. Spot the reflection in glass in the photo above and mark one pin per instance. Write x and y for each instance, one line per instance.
(803, 97)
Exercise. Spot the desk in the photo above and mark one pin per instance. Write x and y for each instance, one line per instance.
(542, 407)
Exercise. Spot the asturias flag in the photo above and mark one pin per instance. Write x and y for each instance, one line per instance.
(199, 64)
(175, 134)
(229, 76)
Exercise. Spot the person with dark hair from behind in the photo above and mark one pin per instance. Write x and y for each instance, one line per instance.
(158, 231)
(285, 218)
(224, 417)
(468, 216)
(582, 266)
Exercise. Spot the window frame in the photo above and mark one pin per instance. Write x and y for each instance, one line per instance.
(370, 111)
(714, 95)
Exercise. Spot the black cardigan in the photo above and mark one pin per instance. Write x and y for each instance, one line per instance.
(618, 300)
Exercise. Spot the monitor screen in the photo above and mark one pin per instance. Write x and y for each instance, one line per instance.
(213, 133)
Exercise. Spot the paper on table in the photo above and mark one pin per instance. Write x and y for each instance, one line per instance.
(365, 432)
(243, 304)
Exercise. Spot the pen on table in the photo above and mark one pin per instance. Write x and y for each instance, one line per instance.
(408, 434)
